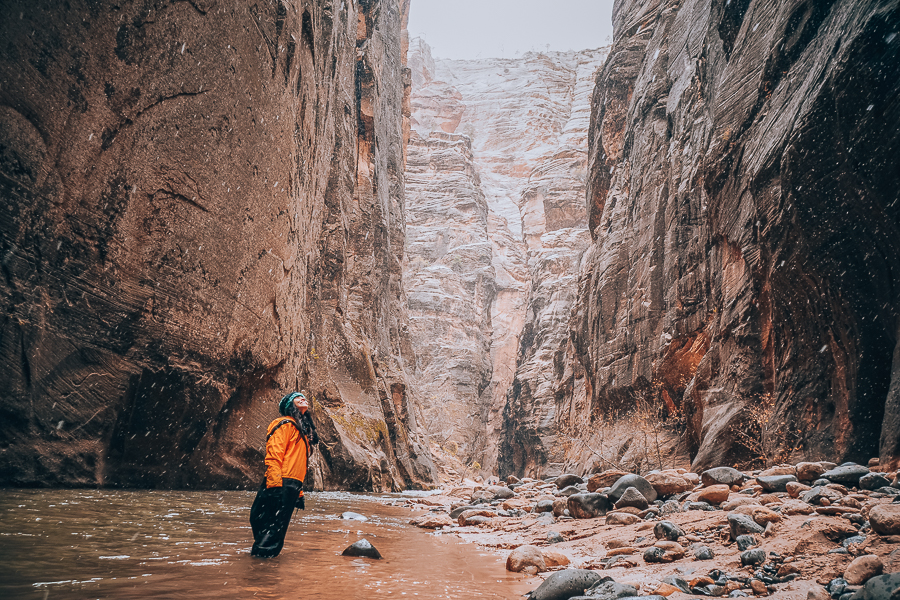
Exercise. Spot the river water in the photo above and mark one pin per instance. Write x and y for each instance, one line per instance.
(179, 544)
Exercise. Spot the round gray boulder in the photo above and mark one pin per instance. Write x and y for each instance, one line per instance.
(846, 474)
(631, 480)
(721, 475)
(563, 585)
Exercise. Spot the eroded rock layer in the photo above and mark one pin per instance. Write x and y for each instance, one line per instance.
(744, 211)
(195, 217)
(496, 224)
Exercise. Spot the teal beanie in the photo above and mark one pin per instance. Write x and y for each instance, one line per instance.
(285, 403)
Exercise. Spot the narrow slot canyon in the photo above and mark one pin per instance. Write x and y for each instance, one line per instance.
(524, 286)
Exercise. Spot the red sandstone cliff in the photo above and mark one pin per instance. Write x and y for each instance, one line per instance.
(745, 221)
(195, 217)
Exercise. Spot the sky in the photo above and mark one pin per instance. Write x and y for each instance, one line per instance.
(466, 29)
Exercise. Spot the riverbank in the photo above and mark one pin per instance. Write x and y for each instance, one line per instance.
(809, 534)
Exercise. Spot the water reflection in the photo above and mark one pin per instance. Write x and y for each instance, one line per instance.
(135, 544)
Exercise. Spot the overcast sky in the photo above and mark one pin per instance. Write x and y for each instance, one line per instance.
(500, 28)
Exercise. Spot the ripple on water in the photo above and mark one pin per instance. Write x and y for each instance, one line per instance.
(135, 544)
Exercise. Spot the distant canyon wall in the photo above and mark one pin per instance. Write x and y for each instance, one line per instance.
(496, 225)
(201, 208)
(744, 207)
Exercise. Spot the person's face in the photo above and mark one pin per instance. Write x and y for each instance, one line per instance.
(301, 404)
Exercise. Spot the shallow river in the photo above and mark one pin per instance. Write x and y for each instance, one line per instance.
(171, 544)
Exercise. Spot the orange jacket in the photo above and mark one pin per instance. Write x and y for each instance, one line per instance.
(286, 453)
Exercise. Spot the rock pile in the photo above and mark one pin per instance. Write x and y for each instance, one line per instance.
(740, 520)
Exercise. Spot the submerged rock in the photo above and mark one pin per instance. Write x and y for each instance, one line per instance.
(362, 548)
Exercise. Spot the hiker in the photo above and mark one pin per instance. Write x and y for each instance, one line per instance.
(289, 443)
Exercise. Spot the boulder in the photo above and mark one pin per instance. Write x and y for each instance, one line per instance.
(703, 553)
(779, 470)
(554, 558)
(469, 517)
(481, 495)
(563, 585)
(667, 484)
(567, 479)
(569, 491)
(362, 548)
(454, 514)
(816, 494)
(752, 558)
(433, 521)
(526, 559)
(795, 488)
(863, 568)
(885, 519)
(873, 481)
(587, 505)
(561, 506)
(667, 530)
(745, 542)
(604, 480)
(880, 587)
(500, 492)
(664, 551)
(846, 474)
(610, 590)
(741, 524)
(670, 507)
(633, 498)
(466, 521)
(809, 471)
(714, 494)
(635, 481)
(775, 483)
(759, 588)
(733, 503)
(544, 505)
(511, 479)
(722, 476)
(516, 504)
(621, 518)
(760, 514)
(555, 537)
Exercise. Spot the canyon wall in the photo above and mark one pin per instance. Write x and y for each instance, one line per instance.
(744, 210)
(496, 225)
(201, 208)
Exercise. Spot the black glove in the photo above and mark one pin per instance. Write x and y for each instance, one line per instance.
(288, 497)
(301, 504)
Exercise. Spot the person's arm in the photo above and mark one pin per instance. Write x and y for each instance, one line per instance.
(275, 449)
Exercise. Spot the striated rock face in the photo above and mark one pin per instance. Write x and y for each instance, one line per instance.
(745, 223)
(495, 224)
(195, 218)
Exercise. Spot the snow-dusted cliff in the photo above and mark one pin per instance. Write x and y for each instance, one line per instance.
(496, 225)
